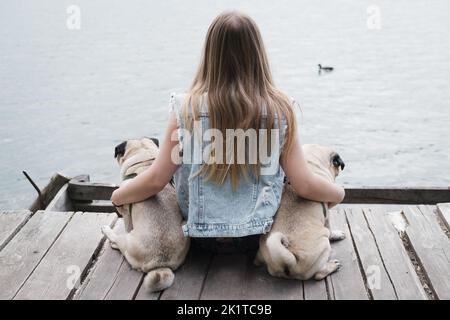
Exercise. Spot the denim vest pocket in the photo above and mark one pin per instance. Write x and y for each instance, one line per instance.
(266, 202)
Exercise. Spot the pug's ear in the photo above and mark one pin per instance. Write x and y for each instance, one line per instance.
(155, 141)
(120, 149)
(337, 161)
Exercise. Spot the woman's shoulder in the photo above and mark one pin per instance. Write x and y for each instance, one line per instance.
(293, 105)
(177, 101)
(177, 98)
(289, 114)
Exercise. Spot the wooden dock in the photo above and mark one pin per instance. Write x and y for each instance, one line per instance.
(388, 254)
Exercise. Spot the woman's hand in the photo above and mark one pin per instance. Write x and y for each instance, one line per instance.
(341, 196)
(155, 178)
(333, 204)
(306, 183)
(115, 199)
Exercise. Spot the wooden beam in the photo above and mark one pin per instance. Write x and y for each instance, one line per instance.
(85, 191)
(95, 206)
(397, 195)
(57, 181)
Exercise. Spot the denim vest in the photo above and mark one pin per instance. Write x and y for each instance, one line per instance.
(214, 210)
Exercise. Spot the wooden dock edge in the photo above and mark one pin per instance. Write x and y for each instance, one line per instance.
(49, 192)
(87, 196)
(397, 195)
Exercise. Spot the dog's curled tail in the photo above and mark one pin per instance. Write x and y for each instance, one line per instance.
(159, 279)
(277, 246)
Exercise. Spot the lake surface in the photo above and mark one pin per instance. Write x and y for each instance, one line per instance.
(67, 97)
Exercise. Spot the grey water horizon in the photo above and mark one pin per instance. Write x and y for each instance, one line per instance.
(67, 97)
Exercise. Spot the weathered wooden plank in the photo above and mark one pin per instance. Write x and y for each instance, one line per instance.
(346, 283)
(315, 290)
(23, 253)
(127, 283)
(111, 277)
(431, 246)
(101, 277)
(383, 195)
(397, 195)
(58, 274)
(396, 260)
(144, 294)
(226, 277)
(444, 213)
(127, 280)
(260, 285)
(10, 224)
(90, 191)
(189, 277)
(61, 201)
(57, 181)
(377, 278)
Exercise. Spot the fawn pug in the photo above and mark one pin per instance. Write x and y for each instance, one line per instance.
(298, 245)
(154, 242)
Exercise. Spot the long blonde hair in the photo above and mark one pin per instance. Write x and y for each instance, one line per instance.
(235, 74)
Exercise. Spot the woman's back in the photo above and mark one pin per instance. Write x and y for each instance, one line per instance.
(215, 209)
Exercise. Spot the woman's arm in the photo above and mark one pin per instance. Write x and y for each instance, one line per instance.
(155, 178)
(307, 184)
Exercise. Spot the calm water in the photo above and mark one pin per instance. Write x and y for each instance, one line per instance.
(67, 97)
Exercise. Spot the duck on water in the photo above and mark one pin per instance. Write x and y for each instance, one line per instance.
(324, 68)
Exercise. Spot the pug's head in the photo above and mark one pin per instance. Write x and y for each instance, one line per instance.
(323, 160)
(136, 153)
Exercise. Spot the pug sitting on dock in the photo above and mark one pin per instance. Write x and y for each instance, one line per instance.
(298, 245)
(154, 242)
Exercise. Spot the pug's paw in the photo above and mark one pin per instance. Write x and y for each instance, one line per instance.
(337, 235)
(114, 245)
(106, 230)
(337, 263)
